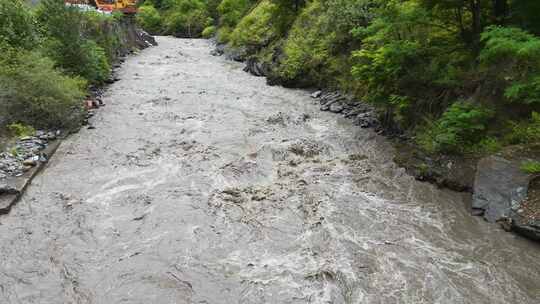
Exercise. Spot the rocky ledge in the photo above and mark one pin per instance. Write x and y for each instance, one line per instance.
(21, 163)
(25, 154)
(505, 194)
(362, 114)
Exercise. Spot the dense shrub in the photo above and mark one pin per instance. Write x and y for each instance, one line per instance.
(209, 31)
(513, 56)
(65, 44)
(104, 30)
(461, 127)
(305, 50)
(230, 13)
(17, 25)
(187, 18)
(315, 51)
(34, 93)
(525, 132)
(531, 167)
(258, 28)
(21, 130)
(149, 18)
(405, 62)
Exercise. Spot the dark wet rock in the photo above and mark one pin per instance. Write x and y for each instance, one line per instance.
(449, 171)
(218, 50)
(25, 153)
(366, 120)
(8, 189)
(499, 186)
(145, 39)
(336, 107)
(235, 54)
(254, 67)
(359, 109)
(112, 79)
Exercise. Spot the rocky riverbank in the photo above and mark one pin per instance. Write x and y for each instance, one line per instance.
(501, 193)
(201, 184)
(22, 158)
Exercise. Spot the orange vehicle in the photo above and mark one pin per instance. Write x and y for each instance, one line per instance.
(124, 6)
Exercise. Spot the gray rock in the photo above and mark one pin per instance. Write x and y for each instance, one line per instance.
(499, 186)
(529, 229)
(366, 120)
(30, 162)
(336, 107)
(6, 189)
(316, 94)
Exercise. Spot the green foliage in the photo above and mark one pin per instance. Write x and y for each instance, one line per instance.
(513, 56)
(224, 34)
(258, 28)
(21, 130)
(462, 126)
(308, 47)
(526, 13)
(525, 132)
(103, 29)
(65, 44)
(14, 151)
(186, 18)
(149, 18)
(209, 32)
(406, 60)
(33, 92)
(232, 11)
(17, 25)
(531, 167)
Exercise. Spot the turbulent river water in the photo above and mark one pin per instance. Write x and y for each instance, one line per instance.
(201, 184)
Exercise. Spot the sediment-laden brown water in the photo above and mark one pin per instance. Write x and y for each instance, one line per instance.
(201, 184)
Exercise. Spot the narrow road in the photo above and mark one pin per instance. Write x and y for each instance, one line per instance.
(201, 184)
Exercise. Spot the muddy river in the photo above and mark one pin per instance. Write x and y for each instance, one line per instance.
(201, 184)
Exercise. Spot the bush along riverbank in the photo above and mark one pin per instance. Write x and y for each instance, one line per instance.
(453, 83)
(54, 62)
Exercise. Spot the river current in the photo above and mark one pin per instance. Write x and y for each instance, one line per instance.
(201, 184)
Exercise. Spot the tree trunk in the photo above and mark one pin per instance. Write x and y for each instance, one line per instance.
(500, 11)
(476, 26)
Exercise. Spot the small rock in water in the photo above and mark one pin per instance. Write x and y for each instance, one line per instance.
(336, 107)
(316, 94)
(31, 162)
(43, 157)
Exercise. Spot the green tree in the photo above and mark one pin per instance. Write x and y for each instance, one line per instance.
(34, 93)
(62, 29)
(17, 25)
(149, 18)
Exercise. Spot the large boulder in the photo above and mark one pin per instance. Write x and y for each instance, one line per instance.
(499, 186)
